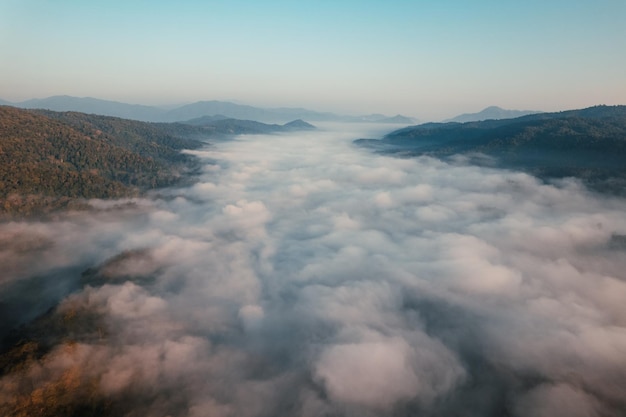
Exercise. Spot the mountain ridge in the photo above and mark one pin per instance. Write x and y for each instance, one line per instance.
(50, 160)
(588, 144)
(193, 110)
(490, 113)
(228, 126)
(92, 105)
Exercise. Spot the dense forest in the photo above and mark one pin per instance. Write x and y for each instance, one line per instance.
(50, 160)
(589, 144)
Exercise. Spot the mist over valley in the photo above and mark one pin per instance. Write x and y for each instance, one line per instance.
(299, 273)
(312, 209)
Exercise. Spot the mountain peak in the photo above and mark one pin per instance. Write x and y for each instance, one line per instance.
(490, 113)
(299, 124)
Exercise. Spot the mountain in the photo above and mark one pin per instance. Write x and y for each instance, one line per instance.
(218, 125)
(50, 160)
(398, 119)
(490, 113)
(195, 110)
(589, 144)
(380, 118)
(298, 124)
(277, 115)
(213, 107)
(96, 106)
(204, 120)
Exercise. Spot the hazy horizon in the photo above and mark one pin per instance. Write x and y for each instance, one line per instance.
(429, 61)
(169, 106)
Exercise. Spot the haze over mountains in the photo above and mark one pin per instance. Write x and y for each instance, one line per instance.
(225, 109)
(195, 110)
(492, 112)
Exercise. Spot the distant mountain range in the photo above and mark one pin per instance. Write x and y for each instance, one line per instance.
(96, 106)
(381, 118)
(490, 113)
(196, 110)
(589, 144)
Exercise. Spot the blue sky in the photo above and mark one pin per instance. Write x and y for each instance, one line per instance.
(428, 59)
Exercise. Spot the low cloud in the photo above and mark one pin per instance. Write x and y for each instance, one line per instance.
(304, 276)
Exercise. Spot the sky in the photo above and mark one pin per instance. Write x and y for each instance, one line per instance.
(426, 59)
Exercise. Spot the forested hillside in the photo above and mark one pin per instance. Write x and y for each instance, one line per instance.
(50, 160)
(224, 126)
(589, 144)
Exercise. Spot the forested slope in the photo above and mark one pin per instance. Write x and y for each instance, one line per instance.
(49, 160)
(589, 144)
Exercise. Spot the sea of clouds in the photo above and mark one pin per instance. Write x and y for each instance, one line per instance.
(304, 276)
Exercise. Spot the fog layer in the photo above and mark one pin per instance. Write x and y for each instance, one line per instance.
(304, 276)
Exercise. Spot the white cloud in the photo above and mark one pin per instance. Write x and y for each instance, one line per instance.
(375, 374)
(304, 276)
